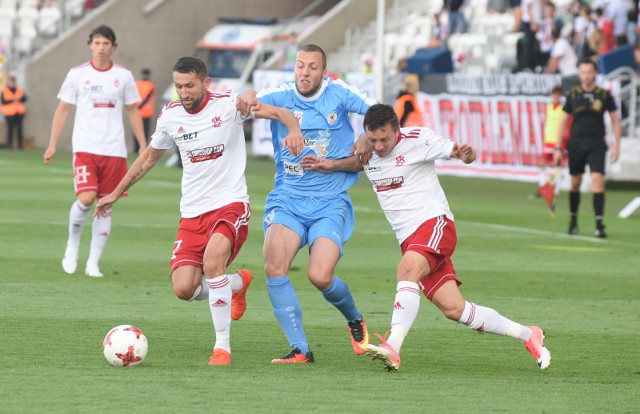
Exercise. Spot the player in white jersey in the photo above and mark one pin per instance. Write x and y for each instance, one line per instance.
(403, 175)
(99, 89)
(215, 212)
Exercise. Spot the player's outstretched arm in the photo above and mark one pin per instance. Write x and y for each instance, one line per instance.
(617, 133)
(323, 165)
(463, 152)
(294, 140)
(145, 162)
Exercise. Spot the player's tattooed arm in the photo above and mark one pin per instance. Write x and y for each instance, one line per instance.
(140, 167)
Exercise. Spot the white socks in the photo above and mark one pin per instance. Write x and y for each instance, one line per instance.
(484, 319)
(100, 231)
(220, 306)
(77, 218)
(405, 310)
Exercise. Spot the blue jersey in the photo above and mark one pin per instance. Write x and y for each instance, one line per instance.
(324, 121)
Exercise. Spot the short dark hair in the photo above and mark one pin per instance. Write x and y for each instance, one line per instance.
(587, 61)
(104, 31)
(190, 64)
(378, 116)
(315, 48)
(557, 89)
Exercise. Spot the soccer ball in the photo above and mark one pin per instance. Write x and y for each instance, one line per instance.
(125, 346)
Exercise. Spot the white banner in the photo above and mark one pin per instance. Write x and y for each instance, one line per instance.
(506, 131)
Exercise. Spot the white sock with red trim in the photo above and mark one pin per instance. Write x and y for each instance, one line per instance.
(220, 306)
(405, 311)
(78, 215)
(100, 230)
(484, 319)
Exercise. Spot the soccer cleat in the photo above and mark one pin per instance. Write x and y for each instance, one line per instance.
(359, 336)
(70, 260)
(238, 299)
(93, 271)
(536, 348)
(69, 264)
(573, 229)
(220, 357)
(385, 353)
(295, 357)
(599, 232)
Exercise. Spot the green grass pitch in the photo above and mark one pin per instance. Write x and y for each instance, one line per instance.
(511, 256)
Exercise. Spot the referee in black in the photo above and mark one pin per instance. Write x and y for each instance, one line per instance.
(587, 104)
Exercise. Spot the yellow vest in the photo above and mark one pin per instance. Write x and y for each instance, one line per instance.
(551, 123)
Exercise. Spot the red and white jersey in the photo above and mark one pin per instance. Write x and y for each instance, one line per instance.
(212, 148)
(99, 96)
(406, 182)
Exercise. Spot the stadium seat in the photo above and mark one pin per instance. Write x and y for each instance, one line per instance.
(48, 21)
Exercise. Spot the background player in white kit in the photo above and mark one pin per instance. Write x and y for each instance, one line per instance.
(215, 205)
(403, 175)
(98, 88)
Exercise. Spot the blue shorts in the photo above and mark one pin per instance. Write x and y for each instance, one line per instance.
(311, 216)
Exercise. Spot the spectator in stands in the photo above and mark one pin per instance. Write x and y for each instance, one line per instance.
(516, 10)
(13, 109)
(583, 27)
(146, 105)
(531, 19)
(606, 27)
(617, 12)
(563, 59)
(455, 10)
(406, 106)
(545, 40)
(439, 33)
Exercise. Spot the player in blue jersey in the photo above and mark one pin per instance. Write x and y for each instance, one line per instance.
(309, 207)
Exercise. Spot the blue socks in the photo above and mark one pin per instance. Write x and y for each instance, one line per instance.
(338, 295)
(287, 310)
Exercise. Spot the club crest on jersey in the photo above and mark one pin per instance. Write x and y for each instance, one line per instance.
(400, 160)
(217, 122)
(386, 184)
(319, 145)
(206, 154)
(298, 115)
(597, 105)
(116, 82)
(332, 118)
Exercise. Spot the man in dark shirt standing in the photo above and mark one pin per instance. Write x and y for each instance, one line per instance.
(588, 103)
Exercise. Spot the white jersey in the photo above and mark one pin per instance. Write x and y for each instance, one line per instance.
(406, 182)
(99, 96)
(212, 148)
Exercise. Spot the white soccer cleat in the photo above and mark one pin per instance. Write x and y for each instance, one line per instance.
(93, 271)
(70, 261)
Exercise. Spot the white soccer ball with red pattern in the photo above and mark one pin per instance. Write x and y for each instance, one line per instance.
(125, 346)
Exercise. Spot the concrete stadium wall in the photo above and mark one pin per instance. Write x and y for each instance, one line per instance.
(154, 40)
